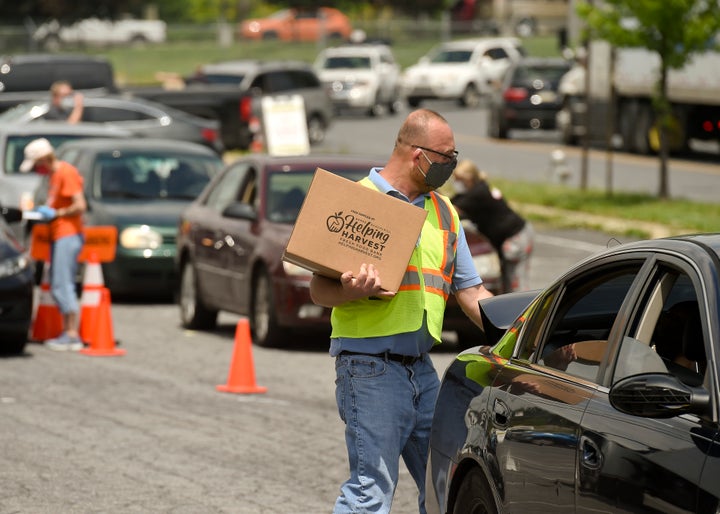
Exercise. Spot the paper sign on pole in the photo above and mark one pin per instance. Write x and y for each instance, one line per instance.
(285, 125)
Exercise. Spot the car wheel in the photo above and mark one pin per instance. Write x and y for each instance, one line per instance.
(413, 102)
(13, 344)
(193, 313)
(474, 495)
(470, 97)
(377, 109)
(316, 130)
(497, 129)
(270, 35)
(263, 324)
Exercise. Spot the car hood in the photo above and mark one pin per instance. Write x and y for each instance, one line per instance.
(347, 74)
(154, 212)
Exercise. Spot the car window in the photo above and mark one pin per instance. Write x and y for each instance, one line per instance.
(581, 318)
(496, 53)
(15, 148)
(452, 56)
(226, 189)
(101, 114)
(667, 334)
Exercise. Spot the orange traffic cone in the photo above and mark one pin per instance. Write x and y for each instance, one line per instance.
(48, 321)
(241, 378)
(90, 300)
(102, 341)
(257, 144)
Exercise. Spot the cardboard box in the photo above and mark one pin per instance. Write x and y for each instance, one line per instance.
(343, 224)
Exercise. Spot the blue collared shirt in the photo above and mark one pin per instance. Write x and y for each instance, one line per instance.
(420, 341)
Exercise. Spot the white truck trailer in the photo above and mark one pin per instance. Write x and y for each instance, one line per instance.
(621, 96)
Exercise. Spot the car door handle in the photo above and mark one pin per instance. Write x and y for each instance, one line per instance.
(591, 457)
(500, 412)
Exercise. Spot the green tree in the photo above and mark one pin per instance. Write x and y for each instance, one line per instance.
(675, 29)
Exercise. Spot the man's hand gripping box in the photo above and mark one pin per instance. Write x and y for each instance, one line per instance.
(343, 224)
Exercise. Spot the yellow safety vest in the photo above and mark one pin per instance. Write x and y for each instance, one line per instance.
(425, 286)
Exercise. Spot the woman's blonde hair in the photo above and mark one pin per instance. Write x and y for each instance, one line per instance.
(467, 169)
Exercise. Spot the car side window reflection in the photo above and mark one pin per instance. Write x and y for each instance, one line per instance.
(577, 332)
(226, 189)
(667, 336)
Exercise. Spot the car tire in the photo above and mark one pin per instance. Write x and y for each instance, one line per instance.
(474, 495)
(497, 129)
(377, 109)
(193, 312)
(263, 324)
(471, 97)
(413, 101)
(316, 130)
(14, 344)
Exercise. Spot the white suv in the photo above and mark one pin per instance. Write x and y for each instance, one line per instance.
(462, 70)
(362, 77)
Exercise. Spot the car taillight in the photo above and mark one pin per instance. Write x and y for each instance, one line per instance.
(246, 108)
(515, 94)
(209, 135)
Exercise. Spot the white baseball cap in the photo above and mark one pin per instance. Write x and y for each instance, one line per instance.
(35, 150)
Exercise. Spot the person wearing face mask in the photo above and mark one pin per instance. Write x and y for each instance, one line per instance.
(510, 234)
(63, 212)
(60, 90)
(386, 385)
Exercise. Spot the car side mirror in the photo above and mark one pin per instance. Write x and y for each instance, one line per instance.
(239, 210)
(11, 214)
(657, 395)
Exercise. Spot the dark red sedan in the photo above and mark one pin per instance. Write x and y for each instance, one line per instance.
(231, 240)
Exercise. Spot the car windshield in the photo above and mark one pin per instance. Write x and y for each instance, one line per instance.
(152, 175)
(354, 62)
(286, 192)
(219, 78)
(15, 148)
(451, 56)
(529, 74)
(22, 111)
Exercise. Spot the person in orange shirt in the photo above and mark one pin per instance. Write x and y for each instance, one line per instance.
(64, 212)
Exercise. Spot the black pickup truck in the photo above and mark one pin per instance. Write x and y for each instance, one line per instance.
(228, 91)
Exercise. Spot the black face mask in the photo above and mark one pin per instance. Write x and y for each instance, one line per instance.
(438, 173)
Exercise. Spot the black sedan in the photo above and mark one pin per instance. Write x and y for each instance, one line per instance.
(232, 238)
(598, 394)
(140, 186)
(528, 97)
(141, 117)
(16, 287)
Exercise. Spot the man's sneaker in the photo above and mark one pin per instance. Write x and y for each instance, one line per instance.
(64, 343)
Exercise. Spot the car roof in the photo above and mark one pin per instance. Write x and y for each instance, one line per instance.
(49, 58)
(481, 41)
(316, 160)
(60, 127)
(243, 66)
(355, 49)
(147, 144)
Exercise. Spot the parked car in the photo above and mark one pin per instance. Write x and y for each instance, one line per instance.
(26, 77)
(462, 70)
(247, 81)
(363, 77)
(599, 393)
(232, 237)
(52, 35)
(16, 287)
(528, 97)
(301, 24)
(18, 189)
(140, 186)
(142, 117)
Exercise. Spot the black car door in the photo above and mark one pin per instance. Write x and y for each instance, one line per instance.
(636, 464)
(538, 400)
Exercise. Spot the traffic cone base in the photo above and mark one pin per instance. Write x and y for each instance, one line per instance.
(102, 342)
(241, 378)
(48, 322)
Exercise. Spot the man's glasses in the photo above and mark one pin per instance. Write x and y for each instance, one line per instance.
(451, 156)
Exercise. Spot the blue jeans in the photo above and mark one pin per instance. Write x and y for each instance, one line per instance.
(387, 408)
(63, 268)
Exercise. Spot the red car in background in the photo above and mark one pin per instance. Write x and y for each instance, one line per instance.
(302, 24)
(231, 240)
